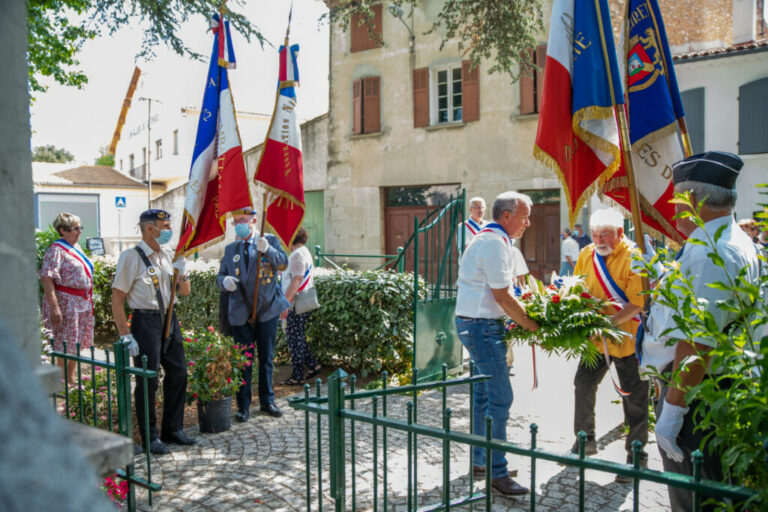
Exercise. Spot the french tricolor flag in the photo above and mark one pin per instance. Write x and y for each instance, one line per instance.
(217, 180)
(577, 136)
(280, 169)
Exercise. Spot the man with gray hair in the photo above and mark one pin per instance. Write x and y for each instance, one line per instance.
(608, 273)
(474, 224)
(485, 295)
(711, 179)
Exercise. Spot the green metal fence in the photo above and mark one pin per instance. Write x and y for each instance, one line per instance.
(344, 416)
(390, 261)
(86, 389)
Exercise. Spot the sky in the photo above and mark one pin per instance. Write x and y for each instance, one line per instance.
(83, 120)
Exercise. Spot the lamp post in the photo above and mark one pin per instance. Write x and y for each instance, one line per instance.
(149, 151)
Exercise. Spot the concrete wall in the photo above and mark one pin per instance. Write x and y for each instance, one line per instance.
(18, 306)
(487, 157)
(721, 79)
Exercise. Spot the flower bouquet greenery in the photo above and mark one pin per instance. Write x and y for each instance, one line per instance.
(568, 316)
(215, 366)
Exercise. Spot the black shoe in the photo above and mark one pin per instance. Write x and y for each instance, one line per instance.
(590, 447)
(508, 487)
(643, 465)
(179, 437)
(242, 416)
(479, 471)
(272, 410)
(157, 447)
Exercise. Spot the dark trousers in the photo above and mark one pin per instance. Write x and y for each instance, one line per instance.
(296, 338)
(689, 440)
(635, 405)
(263, 336)
(147, 328)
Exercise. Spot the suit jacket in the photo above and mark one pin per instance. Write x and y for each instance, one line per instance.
(272, 300)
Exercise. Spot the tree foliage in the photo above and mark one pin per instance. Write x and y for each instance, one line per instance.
(105, 158)
(500, 32)
(55, 37)
(52, 154)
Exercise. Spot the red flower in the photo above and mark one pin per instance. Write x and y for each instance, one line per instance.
(191, 363)
(248, 363)
(229, 379)
(555, 299)
(242, 383)
(552, 287)
(187, 339)
(527, 295)
(211, 329)
(194, 395)
(586, 295)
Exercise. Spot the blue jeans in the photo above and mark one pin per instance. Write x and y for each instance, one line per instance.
(484, 339)
(566, 269)
(264, 336)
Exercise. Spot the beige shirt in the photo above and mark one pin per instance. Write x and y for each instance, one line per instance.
(134, 278)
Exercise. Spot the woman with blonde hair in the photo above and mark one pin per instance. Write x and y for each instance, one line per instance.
(67, 278)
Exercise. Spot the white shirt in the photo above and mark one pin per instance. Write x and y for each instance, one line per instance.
(298, 262)
(134, 278)
(471, 227)
(488, 263)
(737, 251)
(570, 247)
(521, 267)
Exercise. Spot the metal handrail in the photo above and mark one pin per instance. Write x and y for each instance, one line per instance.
(321, 257)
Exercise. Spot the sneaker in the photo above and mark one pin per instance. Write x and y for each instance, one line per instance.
(623, 479)
(590, 447)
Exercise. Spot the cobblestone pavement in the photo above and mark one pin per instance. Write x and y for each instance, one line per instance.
(260, 465)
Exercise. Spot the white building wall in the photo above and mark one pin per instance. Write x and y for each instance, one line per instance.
(721, 79)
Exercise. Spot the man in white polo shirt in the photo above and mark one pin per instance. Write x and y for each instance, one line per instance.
(485, 296)
(474, 224)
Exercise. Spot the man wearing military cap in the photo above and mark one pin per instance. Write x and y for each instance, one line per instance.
(143, 278)
(711, 179)
(237, 276)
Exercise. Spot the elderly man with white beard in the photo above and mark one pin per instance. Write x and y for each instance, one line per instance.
(606, 266)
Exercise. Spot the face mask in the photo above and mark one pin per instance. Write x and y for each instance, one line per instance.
(562, 236)
(576, 232)
(242, 230)
(165, 236)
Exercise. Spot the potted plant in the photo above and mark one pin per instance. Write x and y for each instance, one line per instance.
(214, 374)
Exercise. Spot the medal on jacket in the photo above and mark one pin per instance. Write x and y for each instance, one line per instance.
(236, 259)
(152, 271)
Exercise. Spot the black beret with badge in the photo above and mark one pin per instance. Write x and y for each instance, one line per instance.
(154, 214)
(713, 167)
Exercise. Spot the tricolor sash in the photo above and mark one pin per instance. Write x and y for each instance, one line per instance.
(611, 289)
(497, 230)
(306, 279)
(78, 255)
(472, 226)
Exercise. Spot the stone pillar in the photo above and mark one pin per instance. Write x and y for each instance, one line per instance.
(18, 279)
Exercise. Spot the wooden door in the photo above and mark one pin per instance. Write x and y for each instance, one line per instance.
(398, 222)
(314, 219)
(540, 244)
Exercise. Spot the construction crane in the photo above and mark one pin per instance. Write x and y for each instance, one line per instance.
(124, 110)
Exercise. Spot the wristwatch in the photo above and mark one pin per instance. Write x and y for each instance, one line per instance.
(184, 278)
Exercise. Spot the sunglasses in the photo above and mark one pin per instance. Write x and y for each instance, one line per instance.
(76, 228)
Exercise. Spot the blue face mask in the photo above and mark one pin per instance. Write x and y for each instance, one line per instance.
(242, 230)
(165, 236)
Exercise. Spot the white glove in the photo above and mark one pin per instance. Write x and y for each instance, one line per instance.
(668, 427)
(133, 347)
(262, 244)
(181, 265)
(230, 283)
(648, 252)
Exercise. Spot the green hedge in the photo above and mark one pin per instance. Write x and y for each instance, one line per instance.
(365, 323)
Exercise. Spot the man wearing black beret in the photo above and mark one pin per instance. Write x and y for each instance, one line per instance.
(711, 179)
(143, 278)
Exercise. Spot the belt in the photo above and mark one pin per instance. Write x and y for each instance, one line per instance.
(478, 318)
(80, 292)
(147, 311)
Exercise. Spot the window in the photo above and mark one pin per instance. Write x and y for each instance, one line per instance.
(366, 105)
(121, 164)
(532, 86)
(447, 94)
(85, 206)
(693, 104)
(144, 155)
(158, 149)
(454, 91)
(175, 142)
(361, 37)
(753, 117)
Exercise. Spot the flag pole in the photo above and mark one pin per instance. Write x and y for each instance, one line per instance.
(252, 318)
(174, 281)
(687, 148)
(634, 198)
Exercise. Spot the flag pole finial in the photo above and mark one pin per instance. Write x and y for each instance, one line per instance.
(223, 7)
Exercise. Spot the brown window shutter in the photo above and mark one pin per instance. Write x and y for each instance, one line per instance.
(470, 91)
(541, 59)
(355, 43)
(371, 105)
(527, 88)
(357, 106)
(420, 97)
(375, 41)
